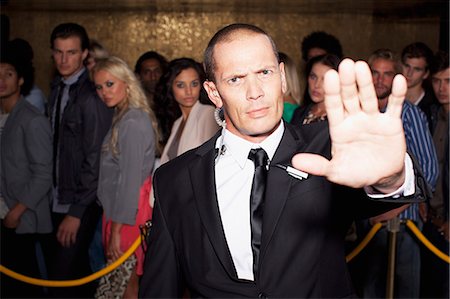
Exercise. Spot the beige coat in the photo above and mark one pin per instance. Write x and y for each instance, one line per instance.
(199, 127)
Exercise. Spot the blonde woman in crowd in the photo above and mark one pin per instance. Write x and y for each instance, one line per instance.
(292, 96)
(126, 165)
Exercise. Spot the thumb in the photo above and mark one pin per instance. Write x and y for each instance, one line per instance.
(311, 163)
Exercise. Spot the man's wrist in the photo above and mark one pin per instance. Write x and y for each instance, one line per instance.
(390, 184)
(19, 209)
(406, 180)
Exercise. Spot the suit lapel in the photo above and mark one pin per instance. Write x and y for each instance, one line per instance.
(278, 184)
(203, 181)
(278, 188)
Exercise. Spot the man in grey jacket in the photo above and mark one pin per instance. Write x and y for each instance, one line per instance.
(26, 176)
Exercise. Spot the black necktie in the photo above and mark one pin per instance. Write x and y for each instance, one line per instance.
(56, 128)
(260, 158)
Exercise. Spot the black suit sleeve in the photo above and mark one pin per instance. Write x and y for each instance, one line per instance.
(360, 206)
(162, 276)
(422, 189)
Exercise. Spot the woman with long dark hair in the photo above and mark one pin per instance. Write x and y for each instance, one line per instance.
(183, 102)
(312, 108)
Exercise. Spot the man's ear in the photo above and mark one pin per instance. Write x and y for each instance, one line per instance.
(213, 93)
(427, 73)
(283, 77)
(21, 81)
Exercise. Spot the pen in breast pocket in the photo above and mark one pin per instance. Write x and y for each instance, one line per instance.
(298, 174)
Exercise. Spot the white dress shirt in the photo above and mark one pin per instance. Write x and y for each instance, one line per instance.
(234, 176)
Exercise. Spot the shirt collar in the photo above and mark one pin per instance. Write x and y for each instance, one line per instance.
(420, 98)
(74, 78)
(239, 148)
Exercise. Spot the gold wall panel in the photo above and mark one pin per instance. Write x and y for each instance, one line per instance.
(129, 33)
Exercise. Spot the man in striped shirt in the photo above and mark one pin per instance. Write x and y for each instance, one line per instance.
(385, 66)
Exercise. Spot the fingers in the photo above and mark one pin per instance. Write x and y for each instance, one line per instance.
(9, 224)
(61, 238)
(395, 102)
(117, 254)
(349, 91)
(311, 163)
(67, 231)
(66, 238)
(11, 221)
(357, 88)
(333, 104)
(367, 95)
(114, 254)
(353, 92)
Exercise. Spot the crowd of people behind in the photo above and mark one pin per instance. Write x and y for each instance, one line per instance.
(76, 167)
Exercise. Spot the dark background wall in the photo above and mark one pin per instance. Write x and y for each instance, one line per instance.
(128, 28)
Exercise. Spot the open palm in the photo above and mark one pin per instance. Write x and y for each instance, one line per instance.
(368, 147)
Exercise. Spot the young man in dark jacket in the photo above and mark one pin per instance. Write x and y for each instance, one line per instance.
(80, 120)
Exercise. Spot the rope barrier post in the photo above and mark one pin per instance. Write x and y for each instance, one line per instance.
(393, 227)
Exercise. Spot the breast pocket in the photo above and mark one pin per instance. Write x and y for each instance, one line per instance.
(308, 185)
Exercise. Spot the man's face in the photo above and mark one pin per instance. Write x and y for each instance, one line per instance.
(441, 85)
(383, 73)
(249, 84)
(68, 55)
(415, 71)
(150, 73)
(9, 81)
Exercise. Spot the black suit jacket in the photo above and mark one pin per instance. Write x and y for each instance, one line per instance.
(302, 250)
(84, 124)
(426, 103)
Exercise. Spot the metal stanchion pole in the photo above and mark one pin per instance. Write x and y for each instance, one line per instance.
(393, 227)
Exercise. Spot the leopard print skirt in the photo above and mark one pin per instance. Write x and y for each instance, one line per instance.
(114, 284)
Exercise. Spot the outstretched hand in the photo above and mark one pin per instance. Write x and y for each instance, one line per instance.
(368, 147)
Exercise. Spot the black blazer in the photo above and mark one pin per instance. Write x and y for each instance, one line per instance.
(302, 250)
(84, 124)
